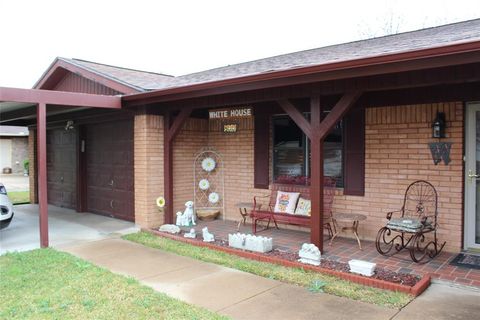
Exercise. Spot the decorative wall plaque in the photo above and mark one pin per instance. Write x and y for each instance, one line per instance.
(440, 151)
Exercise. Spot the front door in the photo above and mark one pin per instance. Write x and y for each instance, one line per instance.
(472, 177)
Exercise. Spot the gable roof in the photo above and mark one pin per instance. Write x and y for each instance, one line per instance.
(403, 42)
(141, 80)
(137, 81)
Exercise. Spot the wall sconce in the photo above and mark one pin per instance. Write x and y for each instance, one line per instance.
(69, 125)
(439, 125)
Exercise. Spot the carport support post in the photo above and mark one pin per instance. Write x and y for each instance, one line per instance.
(42, 172)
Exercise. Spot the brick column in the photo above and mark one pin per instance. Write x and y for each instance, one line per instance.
(31, 165)
(148, 159)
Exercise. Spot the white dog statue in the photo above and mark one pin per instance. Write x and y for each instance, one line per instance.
(187, 218)
(207, 236)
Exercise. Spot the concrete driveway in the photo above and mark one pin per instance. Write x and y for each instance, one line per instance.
(66, 227)
(15, 182)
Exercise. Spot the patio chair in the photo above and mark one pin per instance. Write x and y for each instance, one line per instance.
(414, 226)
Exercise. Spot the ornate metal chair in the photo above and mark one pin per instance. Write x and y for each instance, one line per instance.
(414, 227)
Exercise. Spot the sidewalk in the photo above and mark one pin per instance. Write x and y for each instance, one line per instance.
(241, 295)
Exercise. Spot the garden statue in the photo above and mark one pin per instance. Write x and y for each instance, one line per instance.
(192, 234)
(170, 228)
(187, 218)
(207, 236)
(309, 254)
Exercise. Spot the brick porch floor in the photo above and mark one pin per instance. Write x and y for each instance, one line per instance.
(344, 249)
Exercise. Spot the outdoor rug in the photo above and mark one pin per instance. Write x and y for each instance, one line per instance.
(466, 260)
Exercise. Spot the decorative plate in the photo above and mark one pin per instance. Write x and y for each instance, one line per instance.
(204, 184)
(160, 202)
(208, 164)
(213, 197)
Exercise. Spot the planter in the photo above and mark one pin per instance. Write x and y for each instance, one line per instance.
(207, 214)
(362, 267)
(250, 242)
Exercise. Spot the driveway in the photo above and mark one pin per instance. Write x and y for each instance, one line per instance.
(15, 182)
(66, 227)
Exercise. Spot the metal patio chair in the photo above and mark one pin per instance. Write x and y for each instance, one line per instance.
(414, 226)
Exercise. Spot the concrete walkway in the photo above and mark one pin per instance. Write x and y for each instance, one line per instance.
(242, 295)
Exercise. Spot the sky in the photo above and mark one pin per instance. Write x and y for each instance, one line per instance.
(180, 37)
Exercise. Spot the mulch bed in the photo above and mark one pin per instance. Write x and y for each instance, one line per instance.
(380, 273)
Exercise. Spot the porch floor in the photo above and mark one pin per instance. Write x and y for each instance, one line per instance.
(344, 249)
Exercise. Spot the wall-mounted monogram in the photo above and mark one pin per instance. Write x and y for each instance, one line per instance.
(440, 151)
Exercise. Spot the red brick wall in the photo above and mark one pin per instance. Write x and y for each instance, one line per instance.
(397, 154)
(148, 166)
(192, 137)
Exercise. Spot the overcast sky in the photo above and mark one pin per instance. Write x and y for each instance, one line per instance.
(179, 37)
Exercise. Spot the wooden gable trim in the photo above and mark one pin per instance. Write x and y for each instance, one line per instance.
(59, 68)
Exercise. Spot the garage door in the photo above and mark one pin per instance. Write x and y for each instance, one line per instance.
(109, 162)
(61, 167)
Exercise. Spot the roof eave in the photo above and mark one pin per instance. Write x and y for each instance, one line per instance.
(222, 86)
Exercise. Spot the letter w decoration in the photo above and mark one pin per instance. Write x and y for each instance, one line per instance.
(440, 151)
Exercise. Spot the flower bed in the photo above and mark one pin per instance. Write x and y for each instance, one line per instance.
(382, 278)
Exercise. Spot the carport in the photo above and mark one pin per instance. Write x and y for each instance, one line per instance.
(21, 103)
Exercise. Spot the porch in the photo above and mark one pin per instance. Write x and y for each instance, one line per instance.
(344, 249)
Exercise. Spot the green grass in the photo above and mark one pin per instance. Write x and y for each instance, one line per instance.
(47, 284)
(19, 196)
(313, 281)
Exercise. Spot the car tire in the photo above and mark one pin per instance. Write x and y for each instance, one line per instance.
(6, 223)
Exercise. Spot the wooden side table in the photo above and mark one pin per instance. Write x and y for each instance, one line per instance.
(354, 219)
(244, 208)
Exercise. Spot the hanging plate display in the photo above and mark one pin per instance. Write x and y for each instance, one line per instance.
(204, 184)
(213, 197)
(208, 164)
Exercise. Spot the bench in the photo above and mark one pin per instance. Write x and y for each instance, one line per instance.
(262, 212)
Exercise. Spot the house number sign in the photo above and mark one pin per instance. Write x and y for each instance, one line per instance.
(240, 112)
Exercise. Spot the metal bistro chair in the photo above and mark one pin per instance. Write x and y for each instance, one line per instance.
(410, 225)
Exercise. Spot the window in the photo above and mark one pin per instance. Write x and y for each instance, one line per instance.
(291, 153)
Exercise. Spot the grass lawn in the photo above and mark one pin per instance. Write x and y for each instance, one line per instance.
(313, 281)
(47, 284)
(19, 196)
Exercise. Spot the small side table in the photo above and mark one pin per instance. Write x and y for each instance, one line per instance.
(244, 208)
(353, 218)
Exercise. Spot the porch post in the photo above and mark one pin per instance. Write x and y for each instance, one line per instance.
(167, 170)
(316, 177)
(171, 128)
(42, 172)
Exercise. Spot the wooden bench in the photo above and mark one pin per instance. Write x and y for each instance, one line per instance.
(262, 212)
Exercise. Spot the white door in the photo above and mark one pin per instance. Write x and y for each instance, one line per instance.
(472, 176)
(5, 153)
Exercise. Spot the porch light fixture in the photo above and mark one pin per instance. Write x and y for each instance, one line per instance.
(439, 125)
(69, 126)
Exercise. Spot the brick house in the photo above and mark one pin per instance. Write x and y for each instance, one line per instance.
(364, 109)
(13, 148)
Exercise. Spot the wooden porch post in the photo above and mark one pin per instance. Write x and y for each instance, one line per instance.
(316, 130)
(42, 172)
(167, 170)
(171, 129)
(316, 178)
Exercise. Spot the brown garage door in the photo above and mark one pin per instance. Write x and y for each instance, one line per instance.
(109, 163)
(61, 167)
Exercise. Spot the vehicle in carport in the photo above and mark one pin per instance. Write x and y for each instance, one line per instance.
(6, 208)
